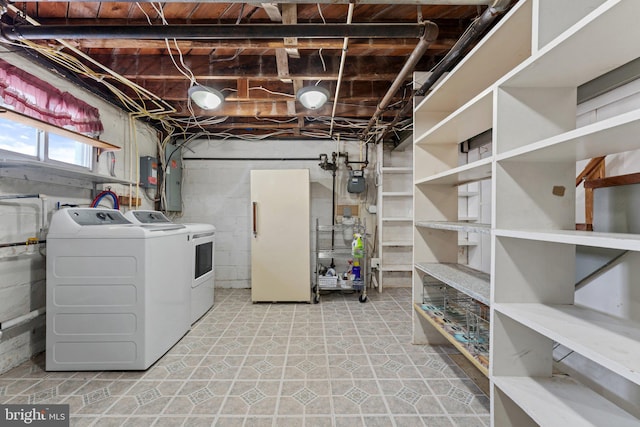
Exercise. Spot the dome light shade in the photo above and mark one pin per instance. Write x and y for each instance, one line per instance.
(313, 97)
(205, 97)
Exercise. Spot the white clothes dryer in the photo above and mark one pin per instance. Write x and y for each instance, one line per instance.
(201, 259)
(117, 297)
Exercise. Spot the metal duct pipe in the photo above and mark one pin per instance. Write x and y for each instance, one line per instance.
(209, 32)
(470, 35)
(343, 58)
(429, 36)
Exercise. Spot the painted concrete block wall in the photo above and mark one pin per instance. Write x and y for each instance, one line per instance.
(217, 192)
(23, 269)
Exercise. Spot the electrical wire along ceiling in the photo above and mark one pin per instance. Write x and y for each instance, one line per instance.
(254, 70)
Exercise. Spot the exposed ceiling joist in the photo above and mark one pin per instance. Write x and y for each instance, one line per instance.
(258, 54)
(400, 47)
(399, 2)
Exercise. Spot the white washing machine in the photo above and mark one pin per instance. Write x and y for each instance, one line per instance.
(201, 260)
(117, 297)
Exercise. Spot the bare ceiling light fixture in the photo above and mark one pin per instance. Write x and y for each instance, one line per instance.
(313, 97)
(206, 97)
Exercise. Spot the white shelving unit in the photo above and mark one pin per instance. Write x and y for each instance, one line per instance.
(395, 198)
(528, 99)
(34, 170)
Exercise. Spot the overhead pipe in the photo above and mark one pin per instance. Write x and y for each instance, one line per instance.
(475, 30)
(209, 32)
(429, 36)
(343, 58)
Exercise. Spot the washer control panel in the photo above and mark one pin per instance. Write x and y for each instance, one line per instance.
(97, 216)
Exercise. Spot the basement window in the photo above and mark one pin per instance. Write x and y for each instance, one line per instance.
(38, 144)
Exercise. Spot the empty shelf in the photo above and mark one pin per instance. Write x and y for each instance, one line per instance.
(456, 226)
(630, 242)
(397, 194)
(398, 243)
(471, 282)
(471, 172)
(398, 219)
(609, 341)
(397, 169)
(396, 267)
(561, 401)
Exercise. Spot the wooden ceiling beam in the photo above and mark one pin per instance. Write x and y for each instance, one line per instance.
(398, 47)
(150, 67)
(243, 89)
(290, 16)
(246, 89)
(276, 109)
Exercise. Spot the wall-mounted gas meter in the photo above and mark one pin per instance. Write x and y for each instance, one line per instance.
(356, 181)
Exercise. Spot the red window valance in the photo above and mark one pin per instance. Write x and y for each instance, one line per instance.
(36, 98)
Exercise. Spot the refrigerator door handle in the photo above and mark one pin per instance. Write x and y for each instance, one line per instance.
(255, 219)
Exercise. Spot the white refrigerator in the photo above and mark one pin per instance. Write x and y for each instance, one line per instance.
(280, 239)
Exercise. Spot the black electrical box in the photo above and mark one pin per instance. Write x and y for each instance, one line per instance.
(356, 181)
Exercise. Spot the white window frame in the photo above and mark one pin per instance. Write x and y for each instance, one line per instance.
(42, 149)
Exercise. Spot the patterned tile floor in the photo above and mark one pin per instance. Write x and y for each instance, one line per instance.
(337, 363)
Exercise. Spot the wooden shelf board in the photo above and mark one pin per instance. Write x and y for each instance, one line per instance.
(475, 227)
(473, 283)
(398, 219)
(396, 267)
(468, 121)
(39, 124)
(397, 194)
(594, 140)
(471, 172)
(572, 51)
(398, 243)
(560, 401)
(623, 241)
(397, 169)
(452, 340)
(467, 243)
(609, 341)
(44, 172)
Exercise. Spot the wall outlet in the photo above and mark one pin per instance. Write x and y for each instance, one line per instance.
(375, 262)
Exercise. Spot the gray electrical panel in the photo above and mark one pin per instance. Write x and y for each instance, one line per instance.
(173, 184)
(148, 172)
(356, 182)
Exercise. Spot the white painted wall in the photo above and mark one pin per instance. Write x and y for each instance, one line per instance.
(23, 273)
(217, 192)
